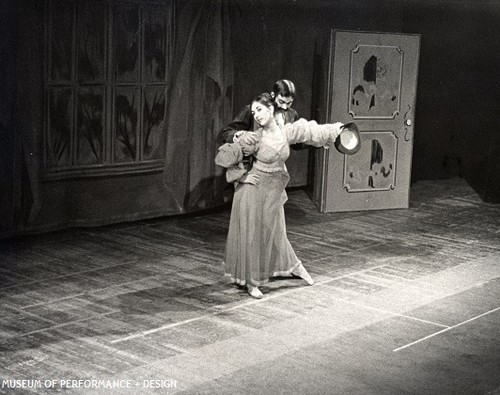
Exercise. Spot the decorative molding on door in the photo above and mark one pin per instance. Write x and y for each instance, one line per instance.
(373, 168)
(374, 88)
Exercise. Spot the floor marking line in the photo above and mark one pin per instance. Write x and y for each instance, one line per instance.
(445, 330)
(392, 282)
(417, 282)
(392, 313)
(220, 310)
(180, 350)
(59, 276)
(158, 329)
(64, 324)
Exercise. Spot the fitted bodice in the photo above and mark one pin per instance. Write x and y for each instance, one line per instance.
(274, 144)
(273, 150)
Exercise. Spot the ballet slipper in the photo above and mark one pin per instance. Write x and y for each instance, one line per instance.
(254, 292)
(300, 271)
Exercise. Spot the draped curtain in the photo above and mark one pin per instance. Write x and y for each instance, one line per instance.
(21, 82)
(200, 103)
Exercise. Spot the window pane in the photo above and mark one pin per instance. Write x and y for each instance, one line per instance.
(155, 44)
(90, 42)
(153, 119)
(90, 126)
(105, 83)
(126, 43)
(61, 41)
(60, 126)
(126, 123)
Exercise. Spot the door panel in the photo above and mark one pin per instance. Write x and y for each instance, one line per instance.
(372, 82)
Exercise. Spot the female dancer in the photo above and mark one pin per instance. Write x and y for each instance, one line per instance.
(257, 247)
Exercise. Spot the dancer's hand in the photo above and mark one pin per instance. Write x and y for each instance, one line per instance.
(338, 127)
(250, 179)
(250, 138)
(248, 149)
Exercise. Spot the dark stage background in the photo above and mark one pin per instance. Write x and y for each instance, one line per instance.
(221, 54)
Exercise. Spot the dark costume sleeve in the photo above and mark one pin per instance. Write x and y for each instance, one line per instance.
(292, 117)
(294, 114)
(243, 121)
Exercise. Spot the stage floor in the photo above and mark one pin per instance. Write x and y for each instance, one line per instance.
(405, 302)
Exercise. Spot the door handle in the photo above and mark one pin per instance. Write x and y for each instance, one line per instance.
(407, 122)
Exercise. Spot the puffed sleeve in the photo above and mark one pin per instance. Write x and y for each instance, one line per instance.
(234, 173)
(229, 155)
(311, 133)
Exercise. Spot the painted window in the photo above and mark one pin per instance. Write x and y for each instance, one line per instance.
(106, 78)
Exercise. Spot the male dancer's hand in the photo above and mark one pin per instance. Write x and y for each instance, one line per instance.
(250, 138)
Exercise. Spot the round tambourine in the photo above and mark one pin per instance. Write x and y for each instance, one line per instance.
(349, 141)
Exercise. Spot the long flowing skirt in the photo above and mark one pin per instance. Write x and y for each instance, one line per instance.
(257, 247)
